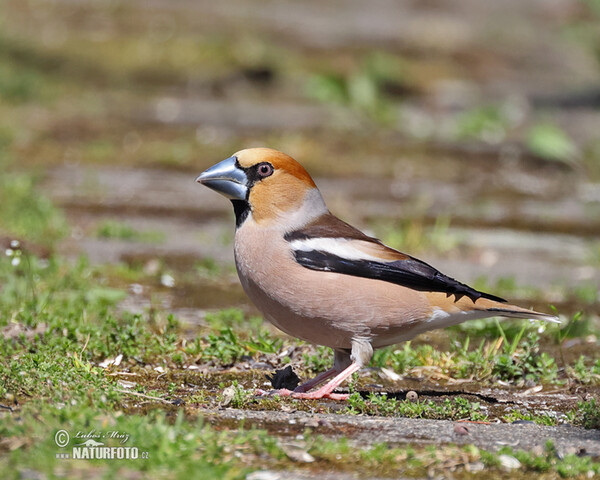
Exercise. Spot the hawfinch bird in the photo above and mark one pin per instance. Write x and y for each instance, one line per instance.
(320, 279)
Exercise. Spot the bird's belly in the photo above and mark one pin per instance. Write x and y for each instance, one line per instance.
(331, 309)
(312, 328)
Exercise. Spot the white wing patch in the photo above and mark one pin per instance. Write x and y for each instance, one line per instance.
(340, 247)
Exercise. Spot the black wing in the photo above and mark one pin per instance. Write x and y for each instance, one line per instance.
(409, 272)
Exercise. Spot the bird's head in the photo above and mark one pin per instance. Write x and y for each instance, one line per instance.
(266, 183)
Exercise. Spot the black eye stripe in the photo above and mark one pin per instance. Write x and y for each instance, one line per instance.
(258, 172)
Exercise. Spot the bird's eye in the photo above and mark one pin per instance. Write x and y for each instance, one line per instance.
(265, 169)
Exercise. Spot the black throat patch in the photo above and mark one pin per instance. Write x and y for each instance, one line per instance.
(241, 208)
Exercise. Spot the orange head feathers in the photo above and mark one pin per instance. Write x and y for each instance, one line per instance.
(265, 183)
(281, 162)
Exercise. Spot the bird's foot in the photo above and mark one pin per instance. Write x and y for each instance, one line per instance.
(284, 392)
(317, 395)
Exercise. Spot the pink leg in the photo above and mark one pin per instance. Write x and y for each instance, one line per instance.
(327, 389)
(306, 386)
(284, 392)
(341, 359)
(343, 367)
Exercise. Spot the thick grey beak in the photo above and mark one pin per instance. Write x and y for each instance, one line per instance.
(227, 179)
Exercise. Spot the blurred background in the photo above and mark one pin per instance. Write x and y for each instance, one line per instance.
(466, 133)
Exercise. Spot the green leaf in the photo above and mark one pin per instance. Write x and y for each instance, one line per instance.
(105, 295)
(550, 142)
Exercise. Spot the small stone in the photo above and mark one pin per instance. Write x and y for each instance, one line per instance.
(118, 360)
(152, 267)
(264, 475)
(312, 423)
(475, 467)
(460, 429)
(167, 280)
(531, 390)
(388, 374)
(538, 450)
(297, 454)
(228, 395)
(286, 353)
(107, 363)
(508, 462)
(325, 423)
(412, 396)
(260, 365)
(126, 384)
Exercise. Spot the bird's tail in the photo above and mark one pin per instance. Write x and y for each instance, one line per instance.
(508, 310)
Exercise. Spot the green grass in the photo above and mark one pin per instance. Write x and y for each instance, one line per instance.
(53, 310)
(226, 348)
(488, 123)
(18, 86)
(179, 447)
(208, 268)
(551, 142)
(23, 82)
(176, 447)
(60, 321)
(363, 88)
(505, 286)
(25, 213)
(588, 413)
(123, 231)
(512, 360)
(414, 235)
(586, 371)
(319, 360)
(449, 409)
(541, 419)
(566, 466)
(411, 461)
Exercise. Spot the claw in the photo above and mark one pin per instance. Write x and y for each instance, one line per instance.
(284, 392)
(339, 396)
(318, 395)
(326, 391)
